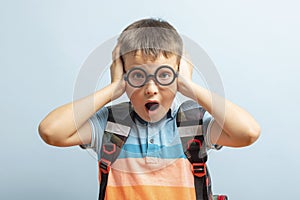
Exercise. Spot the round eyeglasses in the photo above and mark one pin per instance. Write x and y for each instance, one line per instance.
(137, 77)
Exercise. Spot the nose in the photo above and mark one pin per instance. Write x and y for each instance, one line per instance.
(151, 88)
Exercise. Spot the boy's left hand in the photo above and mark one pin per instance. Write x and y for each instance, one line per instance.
(185, 76)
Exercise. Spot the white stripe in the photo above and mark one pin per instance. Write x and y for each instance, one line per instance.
(117, 128)
(208, 134)
(185, 131)
(93, 133)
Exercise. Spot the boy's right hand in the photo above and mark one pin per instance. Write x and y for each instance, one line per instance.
(117, 73)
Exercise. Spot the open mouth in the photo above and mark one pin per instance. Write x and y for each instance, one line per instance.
(151, 106)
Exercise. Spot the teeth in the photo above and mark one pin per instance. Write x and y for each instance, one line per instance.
(152, 106)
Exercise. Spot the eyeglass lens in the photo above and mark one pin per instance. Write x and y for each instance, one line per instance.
(137, 77)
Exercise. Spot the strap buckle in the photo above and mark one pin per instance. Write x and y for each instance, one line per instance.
(194, 143)
(220, 197)
(199, 169)
(104, 166)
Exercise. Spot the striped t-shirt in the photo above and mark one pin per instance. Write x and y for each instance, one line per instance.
(152, 164)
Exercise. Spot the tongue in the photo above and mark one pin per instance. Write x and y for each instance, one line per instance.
(152, 106)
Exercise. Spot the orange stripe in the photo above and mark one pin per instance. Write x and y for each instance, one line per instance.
(176, 174)
(142, 165)
(149, 193)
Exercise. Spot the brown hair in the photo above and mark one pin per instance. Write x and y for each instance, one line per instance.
(152, 37)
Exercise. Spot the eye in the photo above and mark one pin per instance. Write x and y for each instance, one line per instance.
(137, 75)
(165, 75)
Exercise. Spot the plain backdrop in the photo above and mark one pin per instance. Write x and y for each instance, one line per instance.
(43, 45)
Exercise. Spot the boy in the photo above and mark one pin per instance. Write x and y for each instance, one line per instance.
(148, 66)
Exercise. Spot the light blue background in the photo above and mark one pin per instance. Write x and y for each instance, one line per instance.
(254, 44)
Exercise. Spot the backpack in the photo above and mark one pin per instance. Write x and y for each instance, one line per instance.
(189, 116)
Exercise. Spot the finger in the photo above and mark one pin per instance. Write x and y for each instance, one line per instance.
(186, 68)
(116, 68)
(116, 52)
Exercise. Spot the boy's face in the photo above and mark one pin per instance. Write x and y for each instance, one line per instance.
(151, 101)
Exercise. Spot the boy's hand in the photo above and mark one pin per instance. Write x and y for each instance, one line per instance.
(116, 73)
(185, 77)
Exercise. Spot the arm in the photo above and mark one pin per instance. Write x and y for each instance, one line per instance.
(233, 126)
(68, 124)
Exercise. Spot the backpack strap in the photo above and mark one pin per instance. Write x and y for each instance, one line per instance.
(189, 125)
(115, 135)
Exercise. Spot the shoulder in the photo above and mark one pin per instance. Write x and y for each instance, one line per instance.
(190, 110)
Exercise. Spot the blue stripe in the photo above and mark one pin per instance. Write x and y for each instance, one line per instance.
(140, 151)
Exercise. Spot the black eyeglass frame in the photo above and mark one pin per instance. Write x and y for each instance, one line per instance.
(150, 75)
